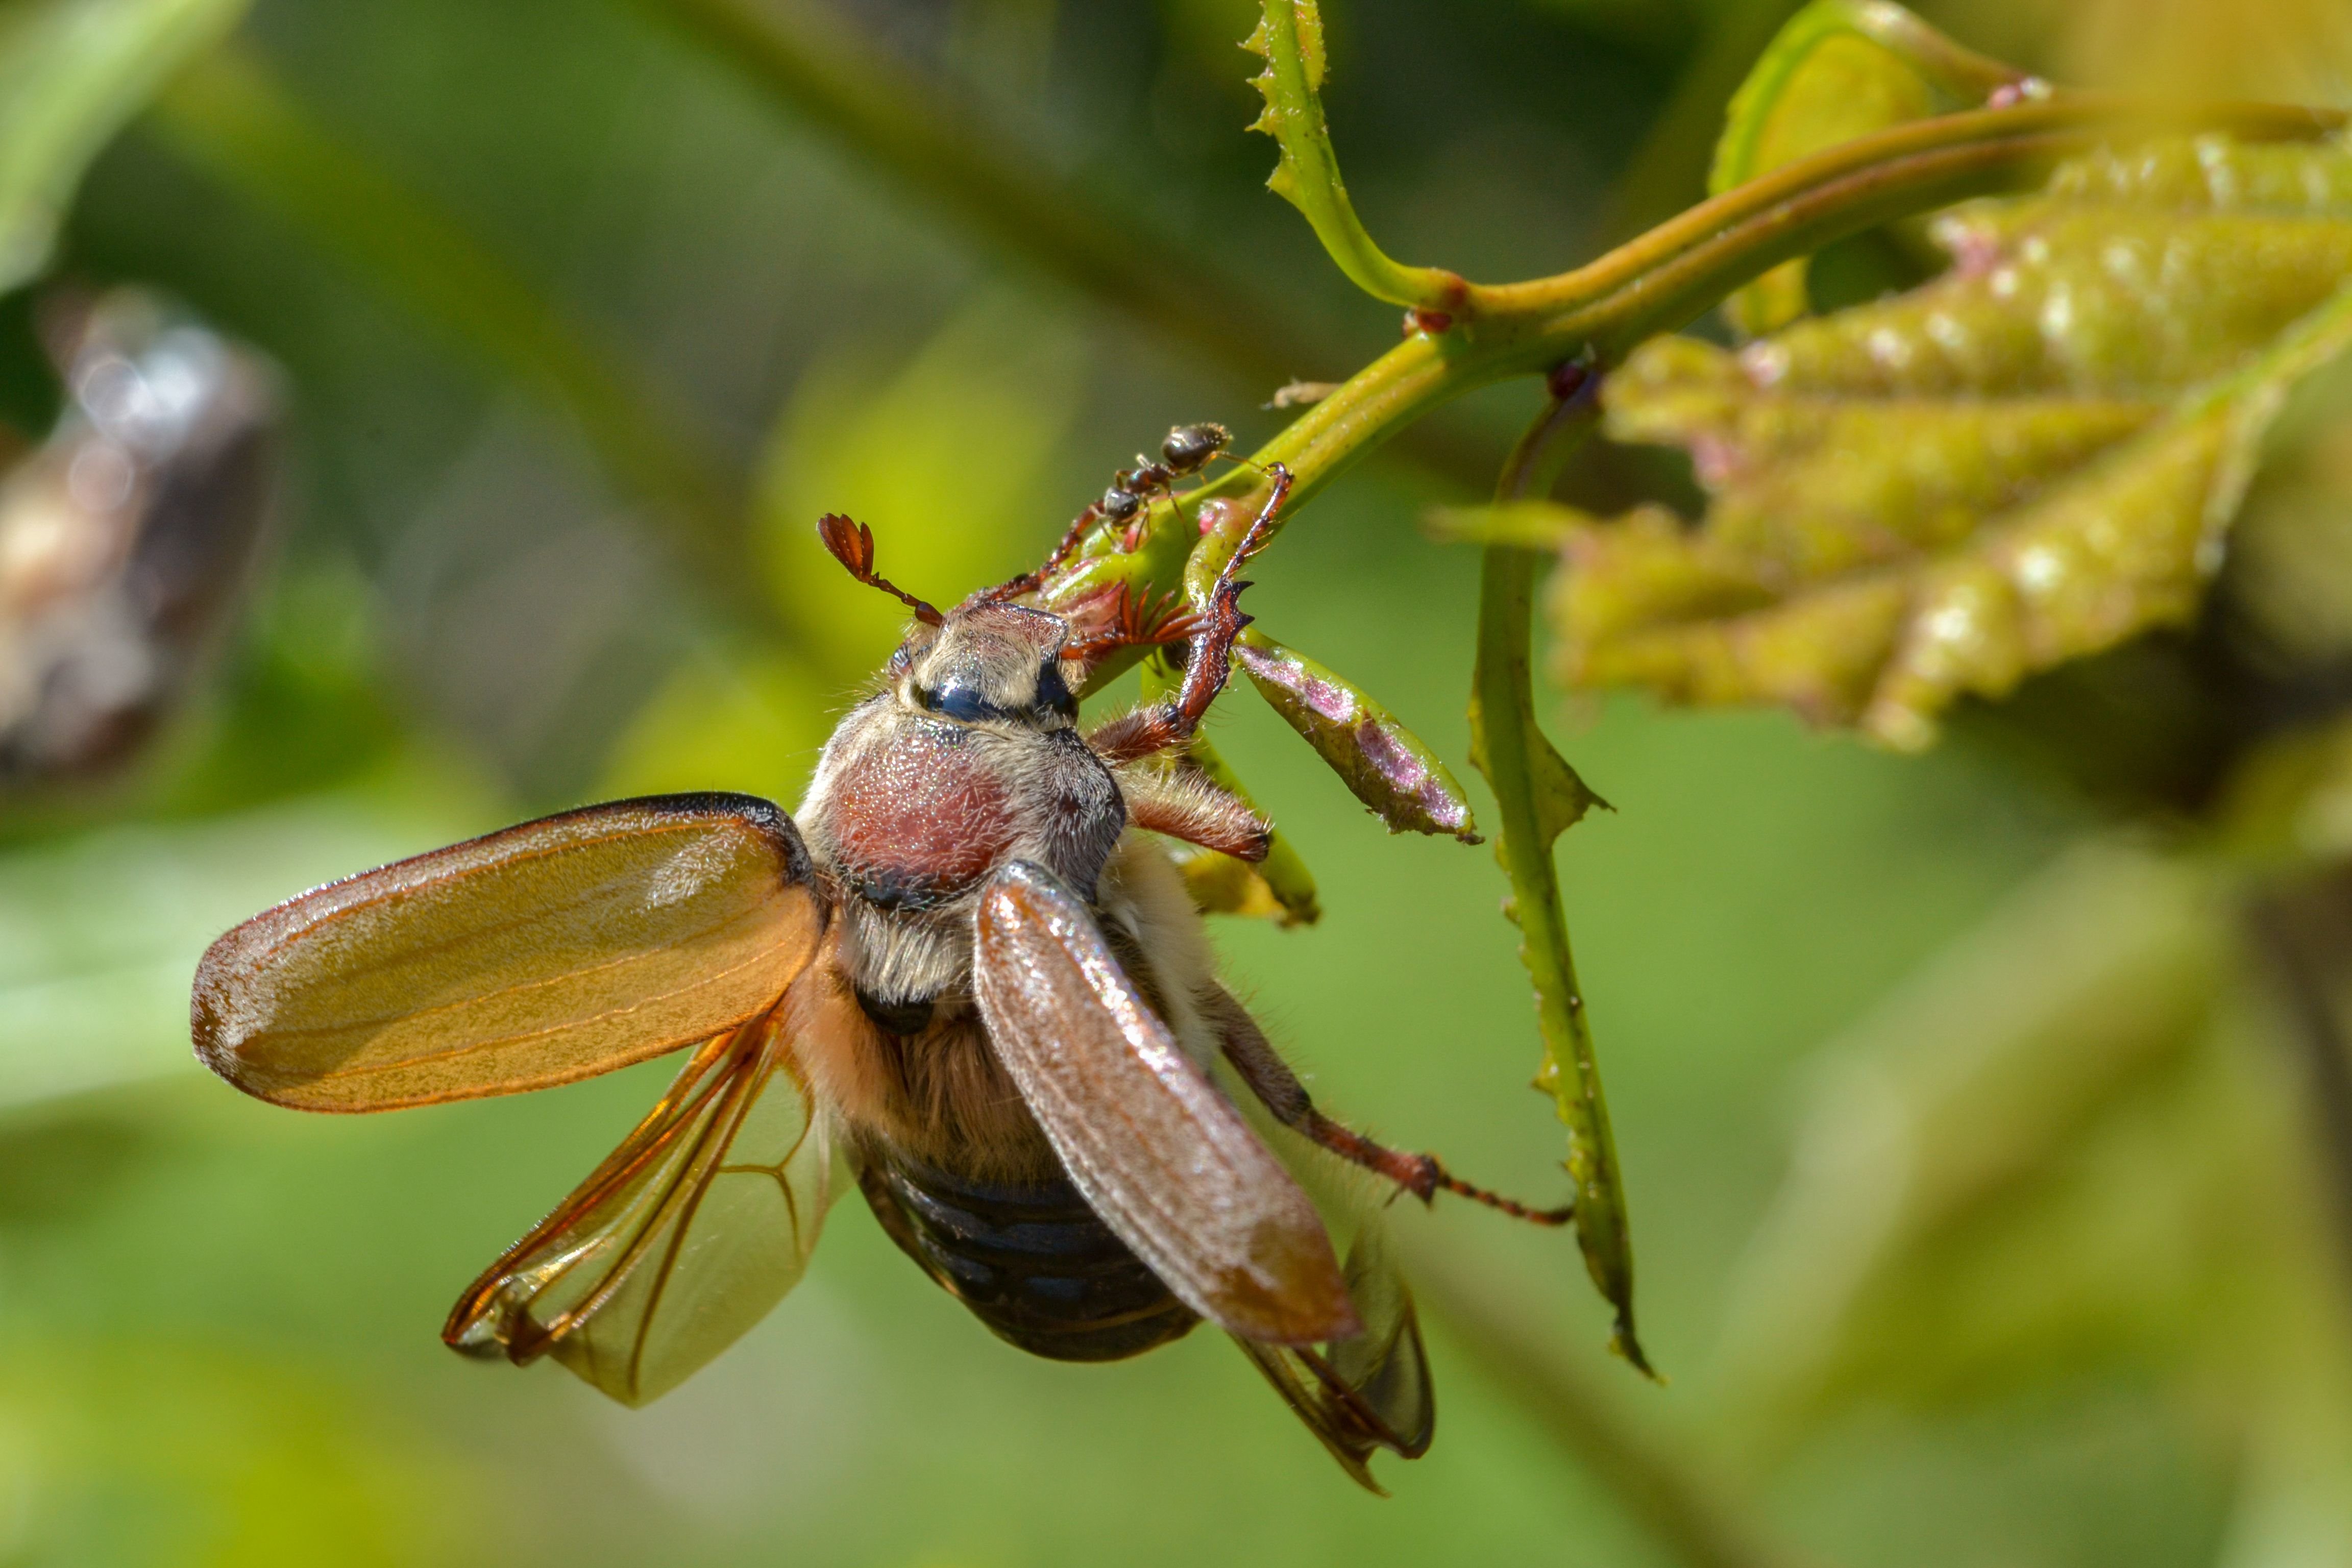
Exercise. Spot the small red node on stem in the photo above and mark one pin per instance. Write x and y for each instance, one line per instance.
(1567, 379)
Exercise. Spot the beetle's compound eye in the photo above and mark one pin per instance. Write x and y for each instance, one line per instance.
(964, 703)
(958, 701)
(1189, 446)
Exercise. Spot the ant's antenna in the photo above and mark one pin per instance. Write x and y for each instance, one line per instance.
(851, 542)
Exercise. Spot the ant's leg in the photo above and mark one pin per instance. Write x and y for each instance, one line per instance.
(1271, 1079)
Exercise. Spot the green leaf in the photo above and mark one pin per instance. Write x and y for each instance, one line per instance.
(1838, 69)
(1289, 38)
(2027, 460)
(1385, 765)
(71, 73)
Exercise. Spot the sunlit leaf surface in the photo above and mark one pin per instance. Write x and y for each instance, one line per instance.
(2029, 459)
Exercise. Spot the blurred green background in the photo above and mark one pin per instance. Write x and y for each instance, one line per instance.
(585, 310)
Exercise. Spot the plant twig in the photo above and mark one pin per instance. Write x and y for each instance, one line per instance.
(1289, 36)
(1539, 796)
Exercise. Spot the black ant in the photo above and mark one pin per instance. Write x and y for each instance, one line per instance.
(1187, 449)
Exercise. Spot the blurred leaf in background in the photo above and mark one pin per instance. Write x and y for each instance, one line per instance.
(944, 458)
(97, 933)
(71, 73)
(150, 1454)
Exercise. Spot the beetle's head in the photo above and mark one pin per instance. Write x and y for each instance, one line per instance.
(988, 662)
(983, 662)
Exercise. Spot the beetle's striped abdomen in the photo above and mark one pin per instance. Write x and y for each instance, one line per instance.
(1033, 1263)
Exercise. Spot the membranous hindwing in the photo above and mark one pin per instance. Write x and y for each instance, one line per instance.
(1373, 1389)
(549, 953)
(678, 1244)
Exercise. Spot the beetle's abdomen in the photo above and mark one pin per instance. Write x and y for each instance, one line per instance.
(1033, 1263)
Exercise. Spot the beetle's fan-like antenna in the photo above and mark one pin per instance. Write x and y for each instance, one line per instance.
(852, 544)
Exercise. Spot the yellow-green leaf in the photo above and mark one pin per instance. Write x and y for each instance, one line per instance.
(1838, 69)
(2029, 459)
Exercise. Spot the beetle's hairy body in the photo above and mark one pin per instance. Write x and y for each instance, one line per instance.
(960, 1175)
(909, 813)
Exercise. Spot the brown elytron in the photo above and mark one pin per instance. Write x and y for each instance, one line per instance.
(961, 968)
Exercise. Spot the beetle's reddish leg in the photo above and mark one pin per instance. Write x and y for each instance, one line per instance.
(1212, 645)
(1271, 1079)
(1184, 805)
(1150, 729)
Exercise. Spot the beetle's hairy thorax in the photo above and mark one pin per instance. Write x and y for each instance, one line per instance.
(970, 759)
(909, 813)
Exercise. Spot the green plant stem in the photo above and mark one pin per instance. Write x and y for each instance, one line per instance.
(1600, 312)
(1537, 797)
(1308, 177)
(228, 116)
(1696, 1517)
(1900, 171)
